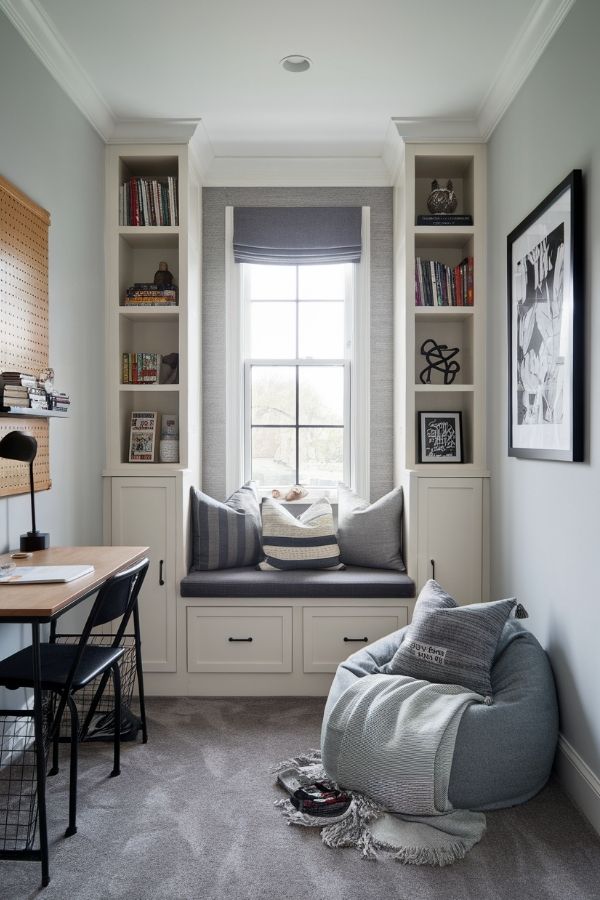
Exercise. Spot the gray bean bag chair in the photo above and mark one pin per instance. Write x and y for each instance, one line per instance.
(504, 752)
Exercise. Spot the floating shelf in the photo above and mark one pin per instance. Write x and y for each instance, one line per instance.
(32, 413)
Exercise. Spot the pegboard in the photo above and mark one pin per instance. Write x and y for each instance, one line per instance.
(23, 321)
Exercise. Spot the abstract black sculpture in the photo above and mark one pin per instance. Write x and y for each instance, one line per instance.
(439, 359)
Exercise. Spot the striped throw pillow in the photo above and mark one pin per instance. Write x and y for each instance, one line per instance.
(306, 542)
(225, 535)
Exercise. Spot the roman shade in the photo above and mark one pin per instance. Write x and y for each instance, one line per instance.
(297, 235)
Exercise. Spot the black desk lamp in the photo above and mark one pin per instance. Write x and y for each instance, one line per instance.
(23, 447)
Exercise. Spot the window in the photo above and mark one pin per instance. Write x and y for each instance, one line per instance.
(297, 374)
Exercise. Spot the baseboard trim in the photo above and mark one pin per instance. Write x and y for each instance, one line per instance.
(578, 780)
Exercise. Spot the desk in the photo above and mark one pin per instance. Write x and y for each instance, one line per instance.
(38, 604)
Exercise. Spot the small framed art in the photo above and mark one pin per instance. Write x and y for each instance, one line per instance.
(440, 437)
(545, 328)
(142, 436)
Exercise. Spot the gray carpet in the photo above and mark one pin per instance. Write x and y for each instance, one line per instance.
(192, 816)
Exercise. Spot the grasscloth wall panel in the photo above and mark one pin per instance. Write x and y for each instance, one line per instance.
(214, 202)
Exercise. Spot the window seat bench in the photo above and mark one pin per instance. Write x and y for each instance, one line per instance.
(353, 581)
(253, 633)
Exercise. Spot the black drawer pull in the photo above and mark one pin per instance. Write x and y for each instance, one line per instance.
(161, 580)
(233, 640)
(432, 561)
(356, 640)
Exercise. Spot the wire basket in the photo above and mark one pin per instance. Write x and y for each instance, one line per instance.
(18, 774)
(102, 725)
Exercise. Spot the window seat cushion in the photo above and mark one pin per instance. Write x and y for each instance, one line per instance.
(353, 581)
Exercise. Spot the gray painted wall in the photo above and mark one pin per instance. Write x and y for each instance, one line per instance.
(49, 151)
(545, 545)
(214, 202)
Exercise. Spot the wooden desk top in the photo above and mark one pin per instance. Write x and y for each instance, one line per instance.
(44, 601)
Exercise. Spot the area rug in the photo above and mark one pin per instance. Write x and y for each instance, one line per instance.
(378, 834)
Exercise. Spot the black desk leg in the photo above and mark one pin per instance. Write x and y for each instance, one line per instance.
(40, 755)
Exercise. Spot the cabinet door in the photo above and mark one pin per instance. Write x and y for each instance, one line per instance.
(143, 513)
(450, 536)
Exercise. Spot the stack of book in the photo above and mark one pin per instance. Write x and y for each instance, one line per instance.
(146, 294)
(141, 368)
(21, 390)
(439, 285)
(148, 201)
(59, 401)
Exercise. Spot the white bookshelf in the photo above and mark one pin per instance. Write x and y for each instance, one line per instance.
(456, 326)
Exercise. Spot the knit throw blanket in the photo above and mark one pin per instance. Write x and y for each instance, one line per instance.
(390, 742)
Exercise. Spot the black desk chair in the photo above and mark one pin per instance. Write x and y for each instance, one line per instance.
(68, 668)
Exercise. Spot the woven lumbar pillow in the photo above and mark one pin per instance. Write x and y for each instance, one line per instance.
(450, 644)
(306, 542)
(369, 534)
(225, 535)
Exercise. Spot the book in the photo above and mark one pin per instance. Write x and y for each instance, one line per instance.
(445, 219)
(142, 438)
(45, 574)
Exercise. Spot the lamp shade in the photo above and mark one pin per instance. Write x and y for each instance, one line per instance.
(23, 448)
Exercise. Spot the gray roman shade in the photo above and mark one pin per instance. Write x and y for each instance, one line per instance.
(297, 235)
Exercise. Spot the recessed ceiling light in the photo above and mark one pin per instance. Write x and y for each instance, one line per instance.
(296, 63)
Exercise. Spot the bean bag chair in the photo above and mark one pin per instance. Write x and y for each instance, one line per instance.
(504, 752)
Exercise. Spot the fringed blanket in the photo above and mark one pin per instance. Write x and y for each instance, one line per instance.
(390, 742)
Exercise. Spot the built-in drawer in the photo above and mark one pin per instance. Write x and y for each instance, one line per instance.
(331, 634)
(239, 639)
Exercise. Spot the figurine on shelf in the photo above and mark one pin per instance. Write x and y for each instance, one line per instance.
(441, 200)
(163, 278)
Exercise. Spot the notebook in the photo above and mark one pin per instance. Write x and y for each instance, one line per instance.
(45, 574)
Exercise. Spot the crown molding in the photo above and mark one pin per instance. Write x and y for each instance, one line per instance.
(393, 152)
(539, 29)
(437, 130)
(290, 171)
(39, 33)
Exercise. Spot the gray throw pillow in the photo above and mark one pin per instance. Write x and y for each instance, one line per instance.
(369, 534)
(306, 542)
(451, 644)
(226, 535)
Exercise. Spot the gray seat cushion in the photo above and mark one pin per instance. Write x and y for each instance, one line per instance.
(353, 581)
(504, 752)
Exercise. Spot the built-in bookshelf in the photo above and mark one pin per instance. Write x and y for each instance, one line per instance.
(439, 321)
(154, 190)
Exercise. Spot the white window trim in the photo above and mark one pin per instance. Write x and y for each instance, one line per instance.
(359, 309)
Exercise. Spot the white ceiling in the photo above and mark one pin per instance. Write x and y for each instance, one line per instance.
(456, 62)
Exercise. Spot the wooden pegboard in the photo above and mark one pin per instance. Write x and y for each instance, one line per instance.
(23, 321)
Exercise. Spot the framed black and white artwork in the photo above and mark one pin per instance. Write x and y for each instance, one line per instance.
(545, 328)
(440, 437)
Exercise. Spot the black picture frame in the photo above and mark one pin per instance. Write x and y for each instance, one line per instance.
(440, 437)
(545, 327)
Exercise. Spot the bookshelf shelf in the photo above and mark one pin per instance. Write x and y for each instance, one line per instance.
(150, 314)
(150, 237)
(443, 235)
(149, 388)
(444, 388)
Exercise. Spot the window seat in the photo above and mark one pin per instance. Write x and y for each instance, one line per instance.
(353, 581)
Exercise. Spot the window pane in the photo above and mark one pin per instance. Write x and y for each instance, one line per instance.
(274, 456)
(273, 395)
(272, 330)
(272, 282)
(321, 327)
(321, 395)
(322, 282)
(321, 452)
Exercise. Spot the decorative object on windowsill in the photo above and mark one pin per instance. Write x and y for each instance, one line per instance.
(440, 437)
(162, 277)
(441, 200)
(169, 369)
(439, 358)
(297, 492)
(23, 448)
(169, 439)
